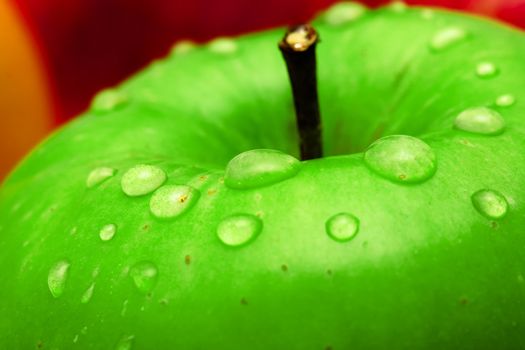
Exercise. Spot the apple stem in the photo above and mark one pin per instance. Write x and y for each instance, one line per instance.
(298, 49)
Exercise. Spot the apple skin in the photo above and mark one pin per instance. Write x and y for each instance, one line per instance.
(425, 271)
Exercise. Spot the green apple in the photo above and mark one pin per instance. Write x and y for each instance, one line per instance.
(175, 214)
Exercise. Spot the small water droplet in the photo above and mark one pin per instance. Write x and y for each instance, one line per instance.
(446, 38)
(144, 275)
(124, 308)
(342, 227)
(182, 47)
(57, 277)
(398, 6)
(107, 232)
(84, 330)
(491, 204)
(260, 167)
(125, 343)
(506, 100)
(480, 120)
(238, 230)
(88, 294)
(427, 14)
(142, 179)
(75, 339)
(171, 201)
(108, 100)
(99, 175)
(486, 70)
(223, 46)
(73, 231)
(343, 13)
(401, 158)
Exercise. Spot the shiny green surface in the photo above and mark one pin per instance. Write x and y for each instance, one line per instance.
(432, 266)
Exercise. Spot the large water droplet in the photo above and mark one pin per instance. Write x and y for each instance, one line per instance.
(99, 175)
(142, 179)
(260, 167)
(401, 158)
(57, 277)
(238, 230)
(88, 294)
(342, 227)
(446, 38)
(125, 343)
(144, 275)
(486, 70)
(171, 201)
(107, 232)
(480, 120)
(223, 46)
(506, 100)
(343, 13)
(491, 204)
(108, 100)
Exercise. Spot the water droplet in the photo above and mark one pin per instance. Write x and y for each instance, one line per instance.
(108, 100)
(505, 100)
(125, 343)
(238, 230)
(57, 277)
(342, 227)
(182, 47)
(401, 158)
(75, 339)
(223, 46)
(398, 6)
(171, 201)
(260, 167)
(447, 37)
(343, 13)
(490, 204)
(107, 232)
(144, 275)
(142, 179)
(88, 294)
(427, 14)
(486, 70)
(480, 120)
(99, 175)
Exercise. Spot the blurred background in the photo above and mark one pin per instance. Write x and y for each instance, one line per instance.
(56, 54)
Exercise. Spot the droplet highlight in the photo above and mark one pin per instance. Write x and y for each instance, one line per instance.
(144, 275)
(491, 204)
(447, 38)
(171, 201)
(239, 230)
(486, 70)
(260, 167)
(223, 46)
(107, 232)
(506, 100)
(57, 278)
(125, 342)
(142, 179)
(99, 175)
(109, 100)
(480, 120)
(401, 158)
(344, 13)
(342, 227)
(88, 294)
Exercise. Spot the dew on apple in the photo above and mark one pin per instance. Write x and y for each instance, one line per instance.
(171, 201)
(342, 227)
(506, 100)
(142, 179)
(260, 167)
(99, 175)
(490, 203)
(447, 37)
(57, 277)
(88, 294)
(240, 229)
(107, 232)
(480, 120)
(401, 158)
(108, 101)
(344, 13)
(427, 14)
(144, 275)
(223, 46)
(486, 70)
(182, 47)
(398, 6)
(125, 342)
